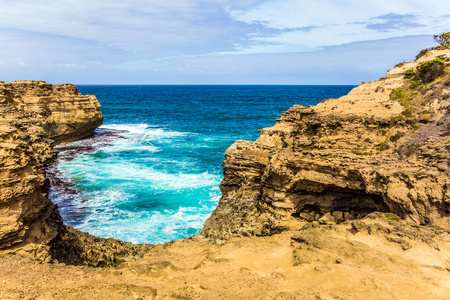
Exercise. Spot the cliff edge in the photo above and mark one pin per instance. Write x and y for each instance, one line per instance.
(327, 187)
(35, 115)
(61, 110)
(383, 147)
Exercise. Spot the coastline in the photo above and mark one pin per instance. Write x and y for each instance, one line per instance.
(281, 230)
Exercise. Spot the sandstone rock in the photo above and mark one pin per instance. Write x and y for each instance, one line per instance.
(338, 216)
(349, 216)
(307, 216)
(34, 114)
(327, 218)
(61, 110)
(361, 153)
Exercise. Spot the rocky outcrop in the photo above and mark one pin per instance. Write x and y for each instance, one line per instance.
(379, 255)
(383, 147)
(61, 110)
(34, 114)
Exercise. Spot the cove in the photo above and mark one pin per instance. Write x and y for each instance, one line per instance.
(152, 172)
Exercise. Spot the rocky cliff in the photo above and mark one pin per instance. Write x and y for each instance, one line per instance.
(61, 110)
(383, 147)
(33, 116)
(334, 180)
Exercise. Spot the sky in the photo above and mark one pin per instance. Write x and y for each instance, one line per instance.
(213, 41)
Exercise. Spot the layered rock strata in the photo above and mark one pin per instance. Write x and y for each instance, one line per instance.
(34, 116)
(383, 147)
(61, 110)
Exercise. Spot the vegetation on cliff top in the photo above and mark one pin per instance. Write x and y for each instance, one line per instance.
(442, 39)
(423, 85)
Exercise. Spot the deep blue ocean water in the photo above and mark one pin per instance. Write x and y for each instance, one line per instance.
(157, 176)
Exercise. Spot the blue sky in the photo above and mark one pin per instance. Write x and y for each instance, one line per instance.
(214, 41)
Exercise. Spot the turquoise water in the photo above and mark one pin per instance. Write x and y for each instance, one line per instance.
(152, 172)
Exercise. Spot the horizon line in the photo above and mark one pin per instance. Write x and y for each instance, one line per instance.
(206, 84)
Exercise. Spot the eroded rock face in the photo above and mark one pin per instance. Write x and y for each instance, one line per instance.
(383, 147)
(34, 114)
(60, 110)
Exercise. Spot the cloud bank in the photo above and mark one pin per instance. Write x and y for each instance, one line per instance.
(178, 41)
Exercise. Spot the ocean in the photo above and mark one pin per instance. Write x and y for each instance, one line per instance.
(151, 173)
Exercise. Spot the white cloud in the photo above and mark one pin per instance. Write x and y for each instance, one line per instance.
(339, 22)
(154, 28)
(138, 36)
(284, 14)
(134, 25)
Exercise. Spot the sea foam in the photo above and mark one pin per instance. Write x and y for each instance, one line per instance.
(135, 187)
(151, 174)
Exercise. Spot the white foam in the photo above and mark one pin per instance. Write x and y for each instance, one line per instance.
(127, 145)
(145, 130)
(139, 137)
(84, 168)
(141, 227)
(114, 178)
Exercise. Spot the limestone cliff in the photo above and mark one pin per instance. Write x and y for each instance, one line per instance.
(32, 115)
(61, 110)
(383, 147)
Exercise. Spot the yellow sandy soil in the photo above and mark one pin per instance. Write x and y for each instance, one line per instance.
(333, 263)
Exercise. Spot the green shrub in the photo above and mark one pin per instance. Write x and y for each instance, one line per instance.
(397, 119)
(422, 53)
(407, 112)
(383, 131)
(431, 62)
(430, 70)
(401, 94)
(394, 218)
(409, 74)
(443, 39)
(383, 144)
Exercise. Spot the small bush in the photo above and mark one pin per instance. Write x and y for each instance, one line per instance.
(423, 52)
(433, 61)
(401, 94)
(397, 119)
(396, 136)
(383, 145)
(430, 70)
(407, 112)
(394, 218)
(409, 74)
(443, 39)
